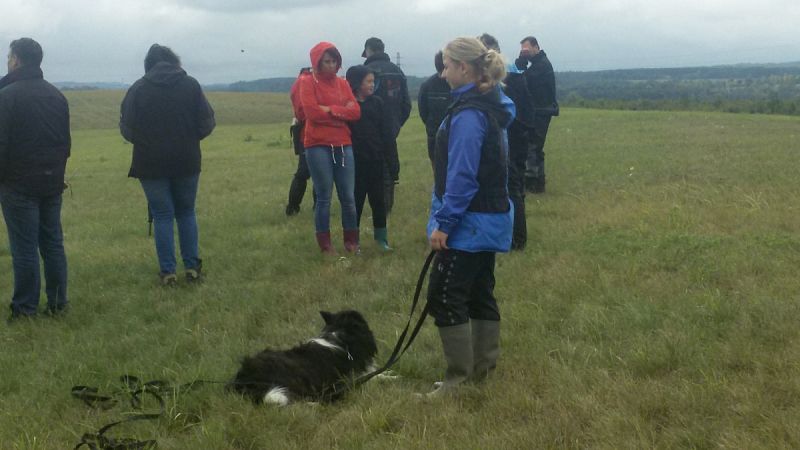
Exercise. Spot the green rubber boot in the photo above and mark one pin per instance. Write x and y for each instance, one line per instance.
(485, 347)
(457, 346)
(381, 237)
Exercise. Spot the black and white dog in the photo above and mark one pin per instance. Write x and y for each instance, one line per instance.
(315, 370)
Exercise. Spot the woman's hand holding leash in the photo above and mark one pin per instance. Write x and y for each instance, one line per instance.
(438, 240)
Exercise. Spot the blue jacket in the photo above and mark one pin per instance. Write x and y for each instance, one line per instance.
(470, 231)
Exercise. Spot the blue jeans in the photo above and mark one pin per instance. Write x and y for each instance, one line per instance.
(34, 227)
(329, 166)
(172, 199)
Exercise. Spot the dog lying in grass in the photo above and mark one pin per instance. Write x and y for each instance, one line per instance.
(317, 370)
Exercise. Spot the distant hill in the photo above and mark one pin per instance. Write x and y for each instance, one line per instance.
(753, 88)
(89, 86)
(769, 88)
(283, 84)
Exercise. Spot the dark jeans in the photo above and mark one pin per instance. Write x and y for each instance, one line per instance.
(34, 227)
(518, 143)
(299, 182)
(369, 184)
(172, 200)
(534, 166)
(461, 287)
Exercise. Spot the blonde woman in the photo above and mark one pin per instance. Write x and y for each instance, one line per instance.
(471, 216)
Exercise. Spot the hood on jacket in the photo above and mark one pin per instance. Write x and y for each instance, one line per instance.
(355, 76)
(165, 74)
(494, 103)
(319, 50)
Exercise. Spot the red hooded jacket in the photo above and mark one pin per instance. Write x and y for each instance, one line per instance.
(321, 89)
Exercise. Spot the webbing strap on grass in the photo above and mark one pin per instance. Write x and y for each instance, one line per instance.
(155, 388)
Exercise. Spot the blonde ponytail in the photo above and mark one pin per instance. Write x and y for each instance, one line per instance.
(489, 65)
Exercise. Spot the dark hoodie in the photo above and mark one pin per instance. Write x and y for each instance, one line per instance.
(165, 115)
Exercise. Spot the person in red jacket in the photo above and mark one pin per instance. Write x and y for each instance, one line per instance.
(326, 105)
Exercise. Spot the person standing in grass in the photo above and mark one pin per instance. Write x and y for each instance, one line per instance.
(373, 143)
(541, 83)
(391, 86)
(471, 216)
(35, 143)
(519, 139)
(297, 188)
(327, 105)
(433, 100)
(165, 115)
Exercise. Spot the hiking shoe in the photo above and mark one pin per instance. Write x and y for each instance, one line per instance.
(168, 279)
(17, 317)
(56, 311)
(195, 275)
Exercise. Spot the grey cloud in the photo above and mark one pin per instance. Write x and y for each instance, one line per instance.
(247, 6)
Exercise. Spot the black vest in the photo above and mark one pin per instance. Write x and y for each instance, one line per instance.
(492, 195)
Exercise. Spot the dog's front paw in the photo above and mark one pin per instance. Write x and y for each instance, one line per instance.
(388, 375)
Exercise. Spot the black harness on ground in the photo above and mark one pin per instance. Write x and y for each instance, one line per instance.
(158, 388)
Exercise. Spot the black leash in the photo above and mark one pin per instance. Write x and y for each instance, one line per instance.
(157, 388)
(399, 348)
(149, 221)
(136, 389)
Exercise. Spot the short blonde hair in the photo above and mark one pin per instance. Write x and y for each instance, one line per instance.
(489, 64)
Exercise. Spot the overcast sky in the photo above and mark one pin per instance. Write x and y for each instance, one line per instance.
(232, 40)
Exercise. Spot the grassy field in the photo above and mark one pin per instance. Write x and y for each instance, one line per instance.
(656, 305)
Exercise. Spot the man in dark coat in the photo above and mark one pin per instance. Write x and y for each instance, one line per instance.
(392, 87)
(541, 83)
(34, 146)
(519, 142)
(434, 98)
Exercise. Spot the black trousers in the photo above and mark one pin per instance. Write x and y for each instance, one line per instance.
(299, 182)
(388, 189)
(369, 184)
(518, 143)
(534, 166)
(461, 287)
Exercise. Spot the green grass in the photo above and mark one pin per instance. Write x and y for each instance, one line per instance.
(655, 306)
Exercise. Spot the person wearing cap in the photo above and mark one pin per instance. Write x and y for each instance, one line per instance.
(392, 87)
(373, 143)
(327, 105)
(434, 98)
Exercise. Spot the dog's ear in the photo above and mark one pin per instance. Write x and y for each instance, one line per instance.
(326, 316)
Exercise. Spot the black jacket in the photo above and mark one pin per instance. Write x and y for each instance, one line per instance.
(372, 133)
(34, 133)
(433, 101)
(392, 87)
(541, 83)
(165, 115)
